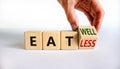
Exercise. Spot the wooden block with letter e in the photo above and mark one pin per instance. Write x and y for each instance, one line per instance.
(87, 37)
(33, 40)
(69, 40)
(51, 40)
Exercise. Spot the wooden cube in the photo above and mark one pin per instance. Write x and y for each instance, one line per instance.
(87, 37)
(69, 40)
(51, 40)
(33, 40)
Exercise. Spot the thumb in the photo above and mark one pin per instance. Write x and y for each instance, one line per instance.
(72, 18)
(69, 9)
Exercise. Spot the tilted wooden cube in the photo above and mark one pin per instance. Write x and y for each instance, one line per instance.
(33, 40)
(87, 37)
(69, 40)
(51, 40)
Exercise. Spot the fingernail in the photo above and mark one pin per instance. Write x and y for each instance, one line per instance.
(74, 27)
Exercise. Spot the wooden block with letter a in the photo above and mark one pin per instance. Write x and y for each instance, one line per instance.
(87, 37)
(51, 40)
(69, 40)
(33, 40)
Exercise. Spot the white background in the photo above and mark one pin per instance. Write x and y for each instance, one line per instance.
(18, 16)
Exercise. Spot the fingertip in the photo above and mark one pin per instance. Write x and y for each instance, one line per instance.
(97, 28)
(74, 27)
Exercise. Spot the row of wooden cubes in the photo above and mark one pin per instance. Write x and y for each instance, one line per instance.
(85, 38)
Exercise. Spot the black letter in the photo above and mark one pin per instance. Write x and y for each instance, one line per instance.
(31, 41)
(69, 41)
(51, 41)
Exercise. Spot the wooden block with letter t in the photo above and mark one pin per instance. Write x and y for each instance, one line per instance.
(87, 37)
(33, 40)
(51, 40)
(69, 40)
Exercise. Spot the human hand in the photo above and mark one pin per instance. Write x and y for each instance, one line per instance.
(91, 8)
